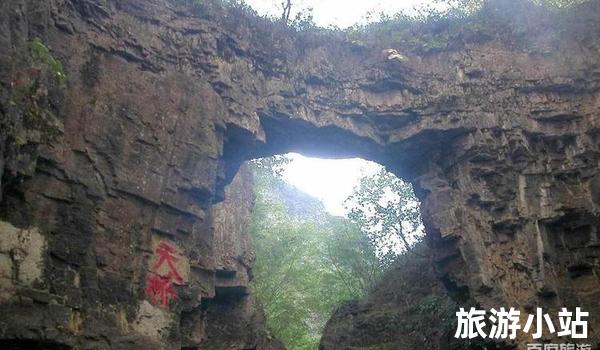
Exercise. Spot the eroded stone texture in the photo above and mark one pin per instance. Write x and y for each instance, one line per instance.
(234, 253)
(21, 258)
(164, 100)
(407, 309)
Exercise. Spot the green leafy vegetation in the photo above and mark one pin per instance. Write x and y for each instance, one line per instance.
(431, 11)
(371, 264)
(387, 211)
(42, 55)
(407, 309)
(308, 262)
(439, 26)
(449, 24)
(36, 91)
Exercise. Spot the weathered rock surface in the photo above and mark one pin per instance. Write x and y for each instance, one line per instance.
(231, 320)
(499, 132)
(407, 309)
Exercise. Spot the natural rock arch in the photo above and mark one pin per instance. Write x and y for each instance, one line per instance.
(499, 135)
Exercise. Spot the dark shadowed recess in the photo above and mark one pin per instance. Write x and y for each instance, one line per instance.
(26, 344)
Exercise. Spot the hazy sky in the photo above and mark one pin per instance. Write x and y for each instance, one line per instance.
(329, 180)
(342, 13)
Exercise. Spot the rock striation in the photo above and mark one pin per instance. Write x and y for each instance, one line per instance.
(123, 122)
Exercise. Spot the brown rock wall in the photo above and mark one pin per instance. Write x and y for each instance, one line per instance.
(163, 101)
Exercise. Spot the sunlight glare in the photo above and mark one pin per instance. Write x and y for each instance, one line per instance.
(329, 180)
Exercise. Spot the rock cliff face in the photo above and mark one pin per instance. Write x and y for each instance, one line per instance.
(407, 309)
(112, 234)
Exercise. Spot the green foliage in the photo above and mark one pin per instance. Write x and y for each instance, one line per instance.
(303, 21)
(311, 265)
(283, 278)
(36, 91)
(407, 309)
(269, 168)
(41, 54)
(430, 27)
(306, 265)
(387, 211)
(352, 256)
(444, 24)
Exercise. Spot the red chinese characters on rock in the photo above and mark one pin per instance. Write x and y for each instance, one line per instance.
(165, 253)
(160, 290)
(160, 287)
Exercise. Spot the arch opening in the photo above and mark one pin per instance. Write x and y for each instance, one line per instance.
(313, 259)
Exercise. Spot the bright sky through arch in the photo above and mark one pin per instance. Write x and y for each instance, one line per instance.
(329, 180)
(342, 13)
